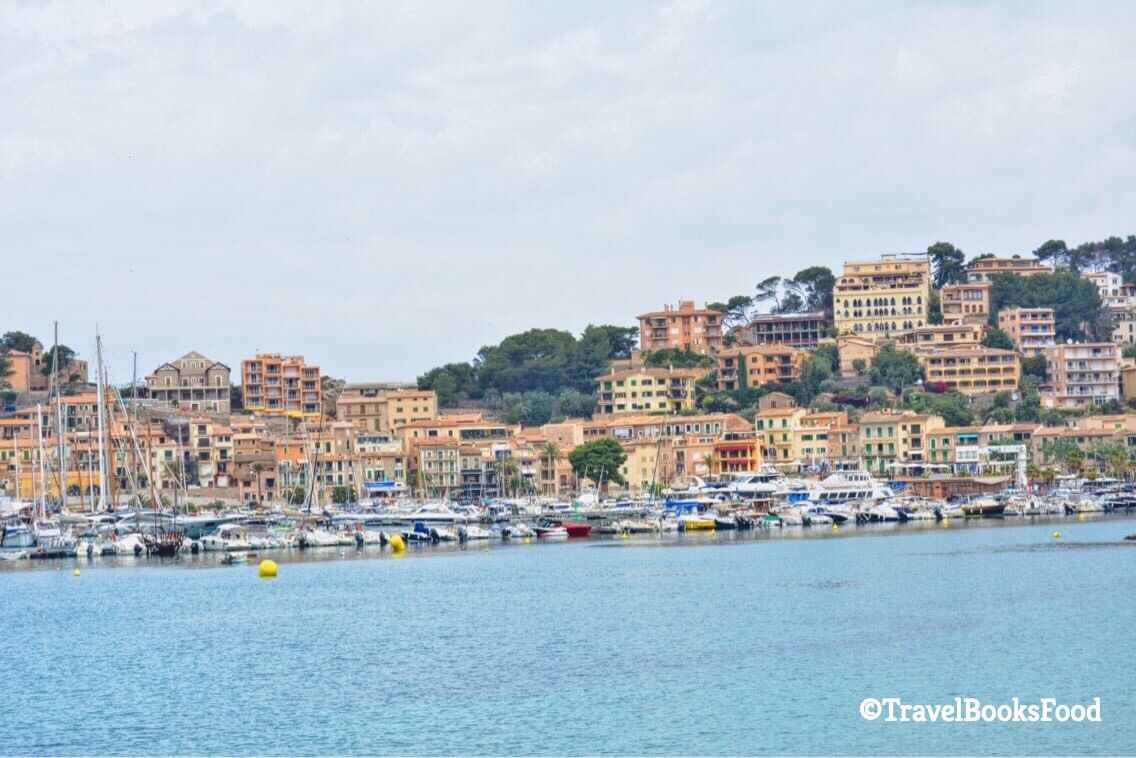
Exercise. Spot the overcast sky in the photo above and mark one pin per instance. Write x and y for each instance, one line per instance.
(385, 187)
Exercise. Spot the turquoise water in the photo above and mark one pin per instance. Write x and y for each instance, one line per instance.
(711, 645)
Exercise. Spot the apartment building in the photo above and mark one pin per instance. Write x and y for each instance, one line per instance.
(803, 330)
(896, 441)
(978, 450)
(796, 436)
(281, 385)
(1081, 374)
(684, 327)
(985, 269)
(972, 370)
(969, 302)
(1124, 326)
(380, 409)
(646, 390)
(1031, 329)
(756, 366)
(192, 382)
(942, 335)
(881, 298)
(1113, 291)
(856, 354)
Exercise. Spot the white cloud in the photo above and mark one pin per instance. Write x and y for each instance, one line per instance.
(389, 186)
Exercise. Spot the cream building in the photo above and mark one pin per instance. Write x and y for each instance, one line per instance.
(646, 390)
(883, 298)
(1031, 329)
(972, 370)
(1081, 374)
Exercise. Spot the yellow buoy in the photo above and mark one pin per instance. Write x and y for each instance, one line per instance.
(1080, 517)
(623, 536)
(835, 528)
(528, 540)
(267, 569)
(1057, 535)
(946, 523)
(485, 549)
(397, 544)
(75, 572)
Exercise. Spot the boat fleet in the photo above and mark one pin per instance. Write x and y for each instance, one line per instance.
(762, 500)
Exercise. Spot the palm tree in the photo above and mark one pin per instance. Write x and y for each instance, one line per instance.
(708, 460)
(258, 468)
(549, 456)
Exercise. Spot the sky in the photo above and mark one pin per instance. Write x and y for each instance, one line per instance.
(385, 187)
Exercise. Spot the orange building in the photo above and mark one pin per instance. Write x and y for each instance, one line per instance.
(281, 385)
(684, 327)
(763, 364)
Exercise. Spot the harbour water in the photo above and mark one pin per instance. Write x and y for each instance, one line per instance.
(691, 645)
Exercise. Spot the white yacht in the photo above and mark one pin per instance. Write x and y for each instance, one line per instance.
(225, 538)
(848, 486)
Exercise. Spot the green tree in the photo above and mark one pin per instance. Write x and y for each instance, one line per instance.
(1052, 252)
(297, 496)
(21, 341)
(677, 357)
(769, 290)
(5, 372)
(1065, 452)
(934, 308)
(859, 365)
(599, 460)
(815, 284)
(258, 470)
(341, 494)
(997, 338)
(894, 368)
(816, 371)
(65, 356)
(1035, 366)
(735, 311)
(1075, 301)
(1128, 351)
(948, 264)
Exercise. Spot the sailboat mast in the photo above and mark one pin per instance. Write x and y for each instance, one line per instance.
(16, 452)
(42, 462)
(101, 409)
(59, 417)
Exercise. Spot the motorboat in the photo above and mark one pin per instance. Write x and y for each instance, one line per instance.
(552, 533)
(472, 532)
(310, 538)
(573, 528)
(983, 507)
(516, 531)
(722, 521)
(880, 512)
(696, 522)
(1086, 505)
(17, 535)
(226, 538)
(816, 517)
(126, 544)
(769, 520)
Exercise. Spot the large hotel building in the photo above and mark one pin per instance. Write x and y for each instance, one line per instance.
(882, 298)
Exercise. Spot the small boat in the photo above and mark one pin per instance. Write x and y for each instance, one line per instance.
(471, 532)
(230, 558)
(516, 531)
(725, 522)
(571, 528)
(226, 538)
(552, 533)
(983, 507)
(769, 520)
(814, 518)
(694, 522)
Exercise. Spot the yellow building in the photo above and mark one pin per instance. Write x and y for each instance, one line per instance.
(754, 366)
(882, 298)
(973, 370)
(381, 410)
(969, 302)
(892, 441)
(646, 390)
(852, 349)
(942, 335)
(796, 436)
